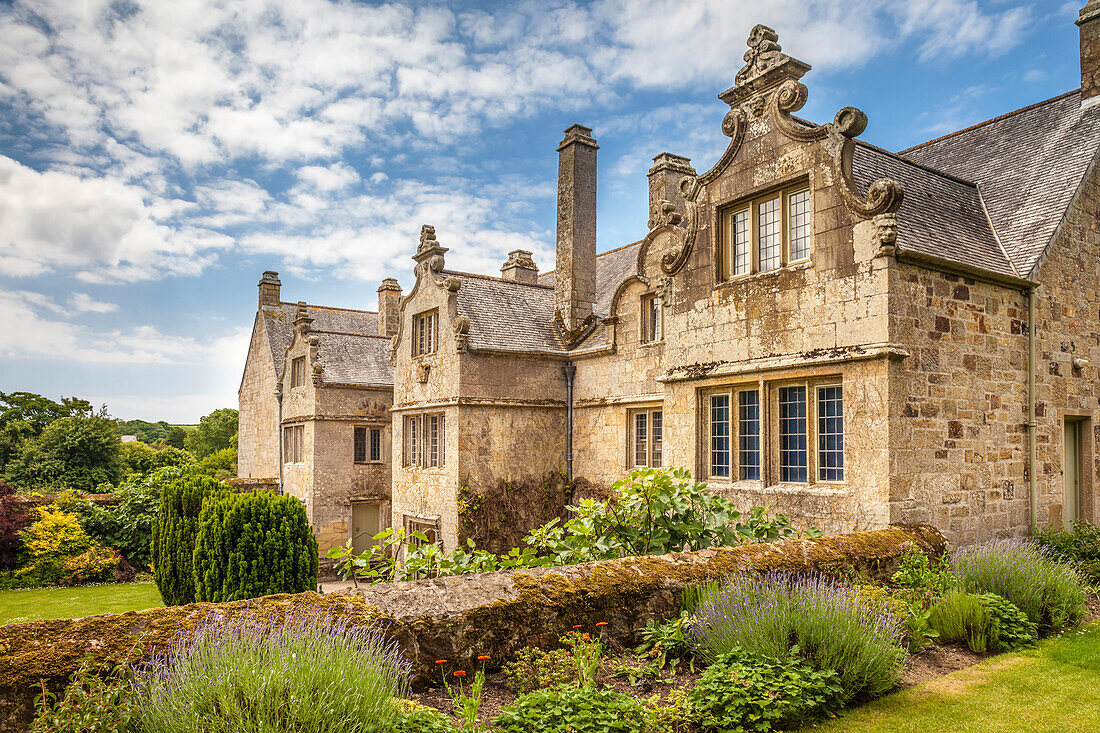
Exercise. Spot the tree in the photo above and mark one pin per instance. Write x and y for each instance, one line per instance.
(24, 415)
(141, 458)
(220, 464)
(176, 437)
(146, 432)
(71, 453)
(174, 531)
(214, 432)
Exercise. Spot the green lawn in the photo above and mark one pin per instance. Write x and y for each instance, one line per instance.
(37, 603)
(1055, 688)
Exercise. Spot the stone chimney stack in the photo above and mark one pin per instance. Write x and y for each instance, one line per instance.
(389, 306)
(1089, 23)
(269, 289)
(664, 186)
(520, 267)
(575, 289)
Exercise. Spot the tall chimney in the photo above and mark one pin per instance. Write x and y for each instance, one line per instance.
(664, 186)
(1089, 23)
(575, 287)
(269, 289)
(389, 306)
(520, 267)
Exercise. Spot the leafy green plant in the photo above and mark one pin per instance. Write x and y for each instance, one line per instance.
(961, 616)
(1012, 628)
(252, 545)
(913, 614)
(173, 536)
(53, 537)
(694, 593)
(307, 673)
(536, 669)
(91, 702)
(128, 526)
(748, 692)
(1079, 545)
(636, 672)
(586, 652)
(412, 717)
(467, 702)
(917, 570)
(573, 710)
(769, 614)
(1048, 591)
(665, 643)
(95, 565)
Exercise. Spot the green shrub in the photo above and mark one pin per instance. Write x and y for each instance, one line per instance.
(745, 692)
(917, 570)
(573, 710)
(821, 619)
(535, 669)
(128, 526)
(95, 565)
(1012, 628)
(71, 453)
(1048, 591)
(90, 702)
(221, 464)
(1079, 546)
(309, 673)
(173, 536)
(959, 616)
(54, 536)
(140, 458)
(411, 717)
(252, 545)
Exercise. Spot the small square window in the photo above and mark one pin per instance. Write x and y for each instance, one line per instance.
(648, 438)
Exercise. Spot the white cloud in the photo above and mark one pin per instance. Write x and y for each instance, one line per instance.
(98, 226)
(948, 29)
(335, 177)
(32, 333)
(85, 303)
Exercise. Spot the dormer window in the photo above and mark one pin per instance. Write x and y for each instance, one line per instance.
(653, 319)
(766, 232)
(425, 333)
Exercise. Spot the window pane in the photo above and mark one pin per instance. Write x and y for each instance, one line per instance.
(799, 217)
(748, 435)
(641, 447)
(656, 438)
(442, 440)
(433, 453)
(830, 433)
(739, 233)
(720, 435)
(376, 444)
(359, 440)
(792, 434)
(770, 233)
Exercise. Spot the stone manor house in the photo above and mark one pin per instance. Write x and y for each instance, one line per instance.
(852, 336)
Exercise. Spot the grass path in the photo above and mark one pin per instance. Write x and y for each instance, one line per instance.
(37, 603)
(1054, 688)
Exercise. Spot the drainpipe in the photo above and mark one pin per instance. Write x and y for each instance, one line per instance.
(1032, 426)
(279, 430)
(570, 370)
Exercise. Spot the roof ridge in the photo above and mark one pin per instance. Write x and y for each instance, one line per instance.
(348, 333)
(599, 255)
(331, 308)
(916, 164)
(1006, 115)
(497, 279)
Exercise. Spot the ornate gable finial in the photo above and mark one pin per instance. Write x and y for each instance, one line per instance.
(301, 318)
(766, 66)
(427, 239)
(429, 255)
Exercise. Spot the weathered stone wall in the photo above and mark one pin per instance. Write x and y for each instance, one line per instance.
(457, 618)
(258, 417)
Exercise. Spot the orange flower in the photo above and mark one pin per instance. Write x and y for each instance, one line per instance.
(586, 637)
(483, 657)
(577, 626)
(602, 623)
(441, 661)
(570, 632)
(460, 673)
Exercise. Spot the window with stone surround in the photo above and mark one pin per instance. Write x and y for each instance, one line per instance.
(422, 531)
(298, 371)
(425, 441)
(653, 319)
(293, 436)
(647, 438)
(367, 444)
(425, 334)
(766, 232)
(800, 415)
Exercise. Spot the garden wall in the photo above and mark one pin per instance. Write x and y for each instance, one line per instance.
(455, 618)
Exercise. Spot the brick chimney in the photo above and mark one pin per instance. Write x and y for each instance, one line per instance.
(1089, 23)
(575, 289)
(520, 267)
(664, 185)
(269, 289)
(389, 306)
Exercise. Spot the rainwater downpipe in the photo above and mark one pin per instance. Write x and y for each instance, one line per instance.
(1032, 426)
(279, 430)
(570, 371)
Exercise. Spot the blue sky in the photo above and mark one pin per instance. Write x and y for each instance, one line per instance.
(157, 157)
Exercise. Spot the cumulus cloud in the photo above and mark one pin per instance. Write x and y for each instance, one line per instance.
(85, 303)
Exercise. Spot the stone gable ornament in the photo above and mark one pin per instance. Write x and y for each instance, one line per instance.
(764, 53)
(429, 254)
(664, 214)
(423, 371)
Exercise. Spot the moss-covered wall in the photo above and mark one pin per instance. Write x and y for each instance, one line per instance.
(455, 618)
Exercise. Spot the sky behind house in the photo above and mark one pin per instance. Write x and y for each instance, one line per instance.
(157, 157)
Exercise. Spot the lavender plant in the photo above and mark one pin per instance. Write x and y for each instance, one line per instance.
(309, 673)
(815, 618)
(1048, 591)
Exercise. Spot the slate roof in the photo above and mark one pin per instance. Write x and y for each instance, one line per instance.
(940, 215)
(506, 315)
(1028, 165)
(612, 268)
(349, 347)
